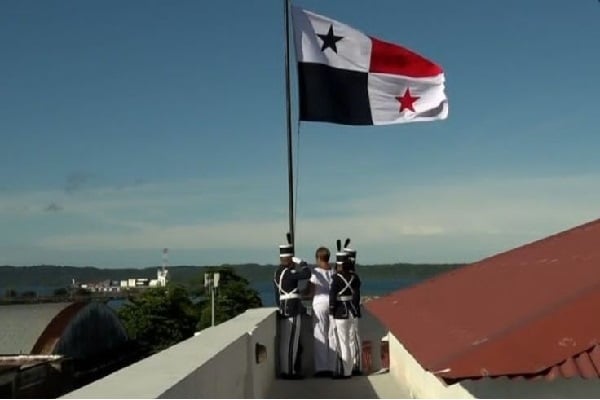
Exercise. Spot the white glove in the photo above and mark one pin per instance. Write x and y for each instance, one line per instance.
(296, 260)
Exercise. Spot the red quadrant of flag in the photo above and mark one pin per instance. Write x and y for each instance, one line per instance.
(389, 58)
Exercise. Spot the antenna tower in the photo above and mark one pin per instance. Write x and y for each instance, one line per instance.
(165, 259)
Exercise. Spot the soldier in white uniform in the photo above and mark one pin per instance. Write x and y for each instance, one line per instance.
(356, 347)
(320, 282)
(344, 300)
(287, 298)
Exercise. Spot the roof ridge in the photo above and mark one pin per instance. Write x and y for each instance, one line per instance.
(475, 264)
(544, 239)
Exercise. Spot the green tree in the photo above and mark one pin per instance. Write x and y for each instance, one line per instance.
(234, 296)
(10, 293)
(161, 317)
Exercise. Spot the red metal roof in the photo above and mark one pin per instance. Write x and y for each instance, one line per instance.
(526, 312)
(55, 329)
(584, 365)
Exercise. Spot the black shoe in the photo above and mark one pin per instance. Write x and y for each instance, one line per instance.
(323, 374)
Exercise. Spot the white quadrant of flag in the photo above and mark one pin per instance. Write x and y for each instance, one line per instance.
(350, 78)
(353, 51)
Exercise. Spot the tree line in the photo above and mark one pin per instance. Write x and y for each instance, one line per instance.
(157, 318)
(160, 317)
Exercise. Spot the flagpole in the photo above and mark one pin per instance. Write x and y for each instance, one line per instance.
(288, 108)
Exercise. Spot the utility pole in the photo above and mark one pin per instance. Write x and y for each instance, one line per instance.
(211, 282)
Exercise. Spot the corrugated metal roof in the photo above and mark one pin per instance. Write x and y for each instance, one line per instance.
(584, 365)
(48, 339)
(22, 325)
(524, 312)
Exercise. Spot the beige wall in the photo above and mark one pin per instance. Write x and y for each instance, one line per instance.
(420, 383)
(223, 376)
(217, 363)
(263, 374)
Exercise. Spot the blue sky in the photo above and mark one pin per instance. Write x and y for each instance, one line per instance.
(131, 126)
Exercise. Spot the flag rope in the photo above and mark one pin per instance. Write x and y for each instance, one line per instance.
(288, 114)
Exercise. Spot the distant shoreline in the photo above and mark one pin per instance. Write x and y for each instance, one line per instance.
(44, 279)
(28, 283)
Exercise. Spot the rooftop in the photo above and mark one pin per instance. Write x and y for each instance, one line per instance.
(222, 362)
(526, 312)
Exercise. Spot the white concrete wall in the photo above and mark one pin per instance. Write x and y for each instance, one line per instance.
(224, 375)
(217, 363)
(263, 374)
(420, 383)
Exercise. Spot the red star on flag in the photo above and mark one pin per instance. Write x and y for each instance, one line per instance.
(407, 101)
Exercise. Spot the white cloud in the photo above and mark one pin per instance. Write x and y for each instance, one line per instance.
(478, 214)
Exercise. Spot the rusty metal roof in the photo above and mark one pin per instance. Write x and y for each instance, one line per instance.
(585, 364)
(526, 312)
(46, 342)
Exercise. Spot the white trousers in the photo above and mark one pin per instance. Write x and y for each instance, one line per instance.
(343, 365)
(324, 348)
(356, 348)
(289, 336)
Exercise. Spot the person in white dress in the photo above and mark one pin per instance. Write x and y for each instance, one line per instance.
(320, 282)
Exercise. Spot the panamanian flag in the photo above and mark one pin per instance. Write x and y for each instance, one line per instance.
(346, 77)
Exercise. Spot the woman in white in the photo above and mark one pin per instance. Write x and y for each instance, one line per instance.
(320, 282)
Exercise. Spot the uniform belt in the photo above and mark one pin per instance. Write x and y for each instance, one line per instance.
(289, 296)
(344, 298)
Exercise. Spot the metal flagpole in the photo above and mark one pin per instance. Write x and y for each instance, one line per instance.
(288, 110)
(212, 305)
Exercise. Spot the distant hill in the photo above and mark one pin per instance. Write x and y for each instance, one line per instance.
(61, 276)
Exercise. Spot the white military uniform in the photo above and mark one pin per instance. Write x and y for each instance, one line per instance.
(356, 346)
(324, 348)
(344, 295)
